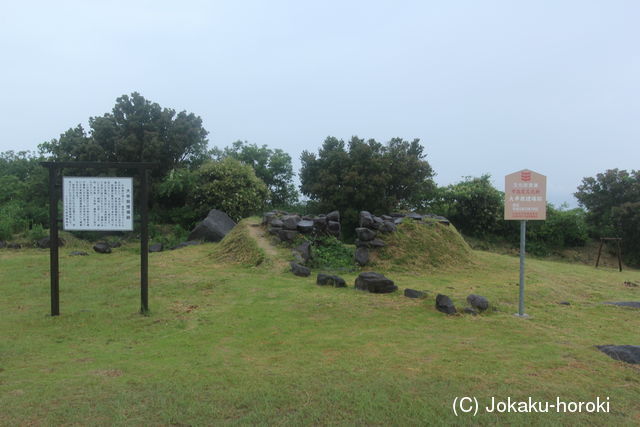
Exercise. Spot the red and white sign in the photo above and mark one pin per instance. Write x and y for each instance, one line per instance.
(525, 196)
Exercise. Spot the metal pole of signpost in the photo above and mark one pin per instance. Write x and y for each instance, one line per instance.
(144, 243)
(523, 232)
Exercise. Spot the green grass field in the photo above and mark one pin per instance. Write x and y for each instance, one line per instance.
(230, 344)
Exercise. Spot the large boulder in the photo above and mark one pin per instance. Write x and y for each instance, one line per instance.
(287, 235)
(333, 216)
(305, 226)
(304, 250)
(445, 305)
(624, 353)
(375, 283)
(478, 302)
(214, 227)
(366, 219)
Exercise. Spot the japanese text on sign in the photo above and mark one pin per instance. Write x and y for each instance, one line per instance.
(93, 203)
(525, 196)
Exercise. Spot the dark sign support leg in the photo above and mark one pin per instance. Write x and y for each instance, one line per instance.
(53, 243)
(144, 243)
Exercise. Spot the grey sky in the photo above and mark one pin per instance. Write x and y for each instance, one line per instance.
(488, 86)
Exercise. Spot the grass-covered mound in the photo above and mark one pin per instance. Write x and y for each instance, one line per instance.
(415, 247)
(240, 246)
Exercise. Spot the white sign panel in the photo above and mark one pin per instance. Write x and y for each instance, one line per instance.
(525, 196)
(98, 204)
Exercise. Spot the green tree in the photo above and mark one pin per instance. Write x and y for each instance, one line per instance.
(627, 219)
(602, 194)
(230, 186)
(473, 205)
(366, 175)
(136, 130)
(273, 167)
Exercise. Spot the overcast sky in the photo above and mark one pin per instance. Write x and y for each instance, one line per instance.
(488, 86)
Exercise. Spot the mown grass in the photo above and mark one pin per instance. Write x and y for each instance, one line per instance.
(229, 344)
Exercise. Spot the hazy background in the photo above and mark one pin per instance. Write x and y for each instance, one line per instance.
(488, 86)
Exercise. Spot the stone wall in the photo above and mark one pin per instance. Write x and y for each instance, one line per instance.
(287, 226)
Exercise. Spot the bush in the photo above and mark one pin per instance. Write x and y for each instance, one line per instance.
(474, 206)
(230, 186)
(330, 253)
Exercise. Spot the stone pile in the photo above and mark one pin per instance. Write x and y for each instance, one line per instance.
(288, 226)
(371, 227)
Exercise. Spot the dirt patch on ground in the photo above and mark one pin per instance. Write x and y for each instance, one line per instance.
(261, 236)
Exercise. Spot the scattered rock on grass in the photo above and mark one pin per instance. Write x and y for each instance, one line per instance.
(185, 244)
(478, 302)
(412, 293)
(44, 243)
(299, 270)
(156, 247)
(564, 303)
(102, 248)
(445, 305)
(329, 280)
(471, 311)
(633, 304)
(78, 253)
(624, 353)
(375, 283)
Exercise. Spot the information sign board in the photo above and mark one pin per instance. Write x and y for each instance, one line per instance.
(525, 196)
(97, 203)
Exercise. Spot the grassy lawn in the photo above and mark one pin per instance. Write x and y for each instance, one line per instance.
(227, 344)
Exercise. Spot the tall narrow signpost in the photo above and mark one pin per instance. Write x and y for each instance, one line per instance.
(525, 199)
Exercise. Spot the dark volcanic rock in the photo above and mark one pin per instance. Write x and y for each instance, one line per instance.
(412, 293)
(365, 234)
(287, 235)
(329, 280)
(334, 228)
(333, 216)
(633, 304)
(388, 227)
(274, 230)
(305, 226)
(304, 249)
(415, 216)
(320, 223)
(471, 311)
(44, 243)
(362, 256)
(215, 226)
(375, 283)
(290, 222)
(445, 305)
(267, 217)
(78, 253)
(102, 248)
(564, 303)
(299, 270)
(156, 247)
(375, 243)
(276, 223)
(398, 221)
(366, 219)
(478, 302)
(185, 244)
(624, 353)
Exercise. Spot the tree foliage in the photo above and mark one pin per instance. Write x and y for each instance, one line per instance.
(603, 194)
(273, 167)
(473, 205)
(136, 130)
(366, 175)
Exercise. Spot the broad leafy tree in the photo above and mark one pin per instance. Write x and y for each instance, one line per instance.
(136, 130)
(273, 166)
(367, 175)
